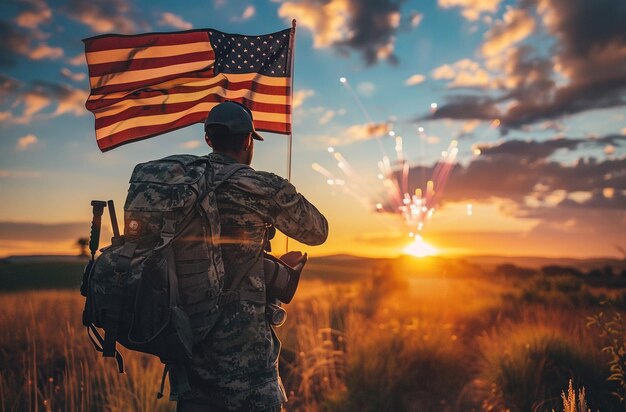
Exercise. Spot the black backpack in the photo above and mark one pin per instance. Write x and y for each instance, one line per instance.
(159, 288)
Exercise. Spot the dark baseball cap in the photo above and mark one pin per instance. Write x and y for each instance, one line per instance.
(236, 117)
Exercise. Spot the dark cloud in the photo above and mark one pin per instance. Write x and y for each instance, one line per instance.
(373, 24)
(532, 150)
(8, 87)
(467, 107)
(600, 199)
(47, 232)
(365, 26)
(13, 42)
(589, 55)
(517, 169)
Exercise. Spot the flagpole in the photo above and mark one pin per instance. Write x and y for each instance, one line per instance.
(292, 50)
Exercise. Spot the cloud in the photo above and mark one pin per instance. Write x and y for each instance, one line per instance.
(366, 89)
(464, 73)
(37, 14)
(25, 142)
(366, 131)
(525, 173)
(469, 127)
(30, 99)
(13, 41)
(416, 18)
(466, 107)
(78, 60)
(516, 25)
(43, 51)
(587, 58)
(414, 80)
(173, 20)
(328, 115)
(471, 9)
(248, 13)
(190, 144)
(365, 26)
(77, 77)
(103, 16)
(300, 96)
(25, 37)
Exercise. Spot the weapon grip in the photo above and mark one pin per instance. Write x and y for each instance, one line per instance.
(113, 216)
(96, 222)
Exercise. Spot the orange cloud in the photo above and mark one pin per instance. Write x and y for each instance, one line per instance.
(173, 20)
(25, 142)
(300, 96)
(365, 26)
(43, 51)
(464, 73)
(471, 9)
(327, 21)
(414, 80)
(77, 77)
(31, 19)
(516, 25)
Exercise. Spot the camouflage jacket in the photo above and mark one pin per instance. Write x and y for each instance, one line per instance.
(236, 366)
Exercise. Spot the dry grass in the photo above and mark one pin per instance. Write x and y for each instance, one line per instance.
(409, 342)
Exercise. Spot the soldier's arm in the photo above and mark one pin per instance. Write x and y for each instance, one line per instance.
(296, 217)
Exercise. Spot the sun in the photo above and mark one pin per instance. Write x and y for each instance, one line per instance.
(419, 248)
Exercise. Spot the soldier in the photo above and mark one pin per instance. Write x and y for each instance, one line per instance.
(236, 366)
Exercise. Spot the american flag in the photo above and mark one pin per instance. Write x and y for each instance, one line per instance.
(148, 84)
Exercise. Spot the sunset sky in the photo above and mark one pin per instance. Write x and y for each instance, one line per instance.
(532, 91)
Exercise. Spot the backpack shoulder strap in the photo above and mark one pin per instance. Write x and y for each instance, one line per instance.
(225, 173)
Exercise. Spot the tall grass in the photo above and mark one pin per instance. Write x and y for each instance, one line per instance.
(396, 341)
(48, 363)
(525, 364)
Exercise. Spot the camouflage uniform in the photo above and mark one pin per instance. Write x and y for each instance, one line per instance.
(236, 366)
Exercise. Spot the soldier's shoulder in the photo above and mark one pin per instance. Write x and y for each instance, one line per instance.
(261, 179)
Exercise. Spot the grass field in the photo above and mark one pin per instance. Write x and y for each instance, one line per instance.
(361, 335)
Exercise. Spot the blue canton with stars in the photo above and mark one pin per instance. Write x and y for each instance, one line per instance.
(236, 54)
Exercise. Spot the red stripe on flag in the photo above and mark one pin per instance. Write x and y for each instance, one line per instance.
(95, 105)
(113, 42)
(144, 132)
(97, 70)
(132, 86)
(273, 127)
(170, 108)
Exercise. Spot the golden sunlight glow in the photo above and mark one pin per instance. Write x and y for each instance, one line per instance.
(419, 248)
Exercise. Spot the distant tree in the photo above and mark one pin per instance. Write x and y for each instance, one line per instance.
(555, 270)
(82, 244)
(595, 273)
(508, 269)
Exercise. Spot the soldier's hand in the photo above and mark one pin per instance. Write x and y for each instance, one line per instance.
(295, 259)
